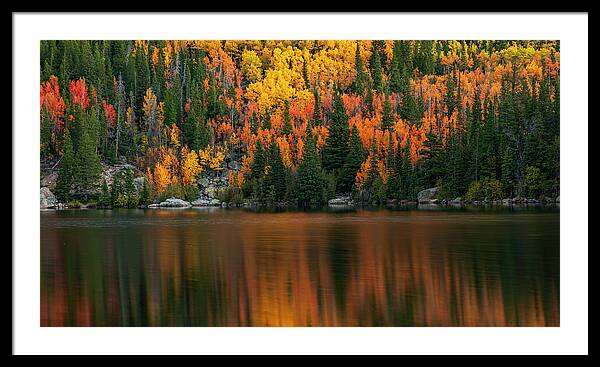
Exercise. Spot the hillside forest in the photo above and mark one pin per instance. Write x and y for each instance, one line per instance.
(296, 123)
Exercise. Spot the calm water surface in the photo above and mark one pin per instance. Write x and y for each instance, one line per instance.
(236, 268)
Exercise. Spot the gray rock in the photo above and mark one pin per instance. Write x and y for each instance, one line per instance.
(201, 202)
(139, 182)
(457, 200)
(49, 180)
(215, 202)
(340, 201)
(47, 199)
(427, 195)
(172, 203)
(203, 182)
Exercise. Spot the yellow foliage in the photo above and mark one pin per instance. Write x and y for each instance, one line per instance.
(212, 158)
(162, 178)
(174, 136)
(251, 66)
(217, 159)
(191, 168)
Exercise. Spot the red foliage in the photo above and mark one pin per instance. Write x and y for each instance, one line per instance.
(79, 93)
(109, 112)
(52, 102)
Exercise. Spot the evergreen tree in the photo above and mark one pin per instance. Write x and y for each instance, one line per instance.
(387, 120)
(145, 194)
(352, 164)
(87, 166)
(336, 145)
(310, 182)
(376, 69)
(66, 172)
(45, 134)
(258, 167)
(104, 200)
(130, 190)
(277, 172)
(360, 82)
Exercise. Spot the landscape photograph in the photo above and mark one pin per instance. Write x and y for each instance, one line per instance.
(327, 183)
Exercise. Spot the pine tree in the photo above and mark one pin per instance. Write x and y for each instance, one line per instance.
(87, 166)
(316, 119)
(360, 82)
(352, 164)
(45, 134)
(117, 197)
(310, 181)
(376, 69)
(130, 190)
(277, 172)
(65, 170)
(145, 194)
(336, 145)
(104, 200)
(387, 120)
(258, 167)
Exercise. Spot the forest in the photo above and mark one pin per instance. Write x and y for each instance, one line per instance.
(297, 123)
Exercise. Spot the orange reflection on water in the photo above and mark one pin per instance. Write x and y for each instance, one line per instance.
(192, 268)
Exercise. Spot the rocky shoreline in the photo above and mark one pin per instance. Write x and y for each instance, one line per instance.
(210, 187)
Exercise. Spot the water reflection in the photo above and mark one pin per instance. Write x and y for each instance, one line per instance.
(236, 268)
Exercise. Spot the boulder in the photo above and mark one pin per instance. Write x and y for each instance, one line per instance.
(47, 199)
(172, 203)
(49, 180)
(340, 201)
(201, 202)
(139, 182)
(427, 195)
(457, 200)
(215, 202)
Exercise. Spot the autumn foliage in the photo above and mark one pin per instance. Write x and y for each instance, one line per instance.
(195, 105)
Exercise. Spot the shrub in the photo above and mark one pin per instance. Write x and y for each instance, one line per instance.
(475, 191)
(493, 189)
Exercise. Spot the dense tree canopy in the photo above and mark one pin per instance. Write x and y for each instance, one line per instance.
(383, 118)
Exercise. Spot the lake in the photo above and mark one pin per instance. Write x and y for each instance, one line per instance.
(225, 267)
